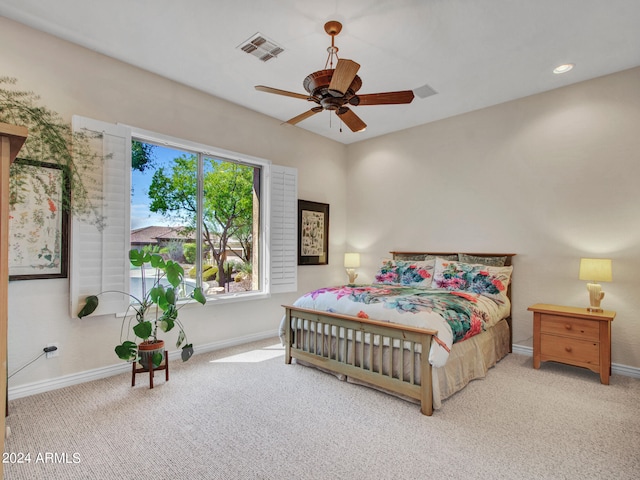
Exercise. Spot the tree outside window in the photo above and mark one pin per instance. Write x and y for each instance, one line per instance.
(165, 186)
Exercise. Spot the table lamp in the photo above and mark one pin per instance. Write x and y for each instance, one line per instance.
(595, 270)
(351, 262)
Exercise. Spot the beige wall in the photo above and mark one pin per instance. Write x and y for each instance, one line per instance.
(551, 177)
(73, 80)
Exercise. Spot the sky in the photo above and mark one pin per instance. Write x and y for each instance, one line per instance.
(140, 214)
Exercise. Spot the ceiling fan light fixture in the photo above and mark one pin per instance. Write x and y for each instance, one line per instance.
(564, 68)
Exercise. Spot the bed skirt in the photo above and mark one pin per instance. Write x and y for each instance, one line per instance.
(468, 360)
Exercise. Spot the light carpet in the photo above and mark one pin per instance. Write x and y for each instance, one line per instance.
(241, 413)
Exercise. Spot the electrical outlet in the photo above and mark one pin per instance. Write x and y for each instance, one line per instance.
(56, 352)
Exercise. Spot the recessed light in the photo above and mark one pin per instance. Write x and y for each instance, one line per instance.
(563, 68)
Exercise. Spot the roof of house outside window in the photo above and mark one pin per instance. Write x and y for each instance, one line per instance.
(160, 235)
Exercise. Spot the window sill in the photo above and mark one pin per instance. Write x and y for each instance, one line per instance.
(236, 297)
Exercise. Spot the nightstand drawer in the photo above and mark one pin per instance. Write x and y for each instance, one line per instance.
(570, 350)
(570, 327)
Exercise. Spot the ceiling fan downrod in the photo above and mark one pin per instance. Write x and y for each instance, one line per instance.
(332, 28)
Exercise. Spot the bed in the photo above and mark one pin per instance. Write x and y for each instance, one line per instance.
(456, 307)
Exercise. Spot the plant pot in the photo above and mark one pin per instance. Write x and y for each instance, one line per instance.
(151, 352)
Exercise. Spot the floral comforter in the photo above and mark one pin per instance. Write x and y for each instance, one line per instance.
(455, 315)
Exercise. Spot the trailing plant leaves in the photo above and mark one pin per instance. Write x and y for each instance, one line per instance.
(157, 261)
(137, 257)
(198, 295)
(165, 297)
(181, 337)
(143, 329)
(175, 273)
(187, 352)
(127, 351)
(167, 321)
(170, 296)
(166, 324)
(91, 303)
(158, 296)
(156, 358)
(51, 139)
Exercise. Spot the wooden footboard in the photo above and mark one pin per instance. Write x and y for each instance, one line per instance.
(346, 345)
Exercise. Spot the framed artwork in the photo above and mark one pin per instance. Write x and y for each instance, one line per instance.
(313, 233)
(38, 223)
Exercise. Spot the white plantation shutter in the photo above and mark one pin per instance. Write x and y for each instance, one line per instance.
(100, 257)
(284, 230)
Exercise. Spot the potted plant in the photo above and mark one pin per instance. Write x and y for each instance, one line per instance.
(154, 309)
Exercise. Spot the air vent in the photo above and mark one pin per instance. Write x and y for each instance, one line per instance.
(261, 47)
(424, 91)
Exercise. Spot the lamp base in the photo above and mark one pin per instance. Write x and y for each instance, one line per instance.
(595, 296)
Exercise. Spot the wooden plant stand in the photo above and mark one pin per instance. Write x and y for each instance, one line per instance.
(151, 370)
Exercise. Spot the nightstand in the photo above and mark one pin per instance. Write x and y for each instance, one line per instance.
(573, 336)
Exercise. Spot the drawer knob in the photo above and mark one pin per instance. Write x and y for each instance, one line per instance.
(567, 349)
(567, 326)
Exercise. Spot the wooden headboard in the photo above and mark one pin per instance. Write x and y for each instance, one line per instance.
(421, 255)
(407, 255)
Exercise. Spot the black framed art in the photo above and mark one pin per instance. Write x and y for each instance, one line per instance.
(313, 233)
(38, 222)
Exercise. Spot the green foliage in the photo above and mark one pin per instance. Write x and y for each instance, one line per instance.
(156, 359)
(174, 250)
(227, 202)
(245, 267)
(189, 252)
(141, 155)
(91, 303)
(159, 295)
(210, 274)
(52, 140)
(127, 351)
(143, 330)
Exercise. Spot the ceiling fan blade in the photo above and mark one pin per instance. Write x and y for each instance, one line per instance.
(304, 116)
(262, 88)
(351, 120)
(387, 98)
(343, 75)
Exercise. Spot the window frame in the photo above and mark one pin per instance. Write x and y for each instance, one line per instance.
(202, 151)
(99, 259)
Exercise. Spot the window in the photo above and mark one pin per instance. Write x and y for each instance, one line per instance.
(201, 211)
(258, 253)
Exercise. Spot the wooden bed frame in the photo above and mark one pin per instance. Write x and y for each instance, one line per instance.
(318, 338)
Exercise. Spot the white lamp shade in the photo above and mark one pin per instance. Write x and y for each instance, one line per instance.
(595, 269)
(351, 260)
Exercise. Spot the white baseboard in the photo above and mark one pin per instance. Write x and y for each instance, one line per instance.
(103, 372)
(616, 368)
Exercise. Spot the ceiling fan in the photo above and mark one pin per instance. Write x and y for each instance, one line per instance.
(336, 89)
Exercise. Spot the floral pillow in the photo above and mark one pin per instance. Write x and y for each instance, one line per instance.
(407, 273)
(485, 280)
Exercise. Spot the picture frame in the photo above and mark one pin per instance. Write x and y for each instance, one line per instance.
(313, 233)
(38, 221)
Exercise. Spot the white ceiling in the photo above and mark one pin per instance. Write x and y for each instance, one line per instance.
(474, 53)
